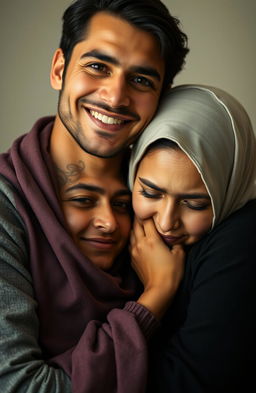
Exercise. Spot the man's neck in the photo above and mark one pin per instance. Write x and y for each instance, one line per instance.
(71, 161)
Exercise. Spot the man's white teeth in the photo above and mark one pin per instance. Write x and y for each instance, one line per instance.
(105, 119)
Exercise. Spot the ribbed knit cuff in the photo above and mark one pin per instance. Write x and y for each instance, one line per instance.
(145, 318)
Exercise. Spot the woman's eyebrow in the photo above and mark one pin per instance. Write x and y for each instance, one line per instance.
(151, 185)
(195, 196)
(181, 195)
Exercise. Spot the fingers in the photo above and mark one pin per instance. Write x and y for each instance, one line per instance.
(138, 229)
(136, 234)
(177, 249)
(132, 238)
(150, 229)
(146, 228)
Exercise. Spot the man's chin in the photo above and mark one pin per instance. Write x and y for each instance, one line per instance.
(102, 152)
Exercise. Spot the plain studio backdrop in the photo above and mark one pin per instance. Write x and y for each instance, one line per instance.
(221, 35)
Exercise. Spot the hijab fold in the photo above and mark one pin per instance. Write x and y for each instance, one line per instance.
(215, 132)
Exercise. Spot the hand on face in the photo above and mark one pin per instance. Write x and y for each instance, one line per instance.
(159, 268)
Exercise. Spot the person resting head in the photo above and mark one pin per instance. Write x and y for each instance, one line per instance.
(98, 213)
(193, 174)
(195, 163)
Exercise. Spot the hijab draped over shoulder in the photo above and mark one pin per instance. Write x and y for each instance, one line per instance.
(215, 132)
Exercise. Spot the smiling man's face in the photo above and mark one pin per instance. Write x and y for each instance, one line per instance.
(112, 85)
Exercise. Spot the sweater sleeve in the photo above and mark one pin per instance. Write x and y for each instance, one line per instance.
(209, 340)
(115, 352)
(22, 368)
(106, 356)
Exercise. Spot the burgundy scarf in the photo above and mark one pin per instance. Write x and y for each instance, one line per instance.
(69, 289)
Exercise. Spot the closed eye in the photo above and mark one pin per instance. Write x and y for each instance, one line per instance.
(196, 204)
(150, 194)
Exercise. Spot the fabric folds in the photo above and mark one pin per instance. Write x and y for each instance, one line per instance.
(214, 130)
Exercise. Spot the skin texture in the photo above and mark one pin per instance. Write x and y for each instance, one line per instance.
(97, 212)
(115, 75)
(168, 188)
(110, 93)
(159, 268)
(172, 209)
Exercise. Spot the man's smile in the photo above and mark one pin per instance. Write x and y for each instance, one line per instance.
(105, 119)
(106, 122)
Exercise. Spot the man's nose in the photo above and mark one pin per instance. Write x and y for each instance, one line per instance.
(115, 91)
(105, 220)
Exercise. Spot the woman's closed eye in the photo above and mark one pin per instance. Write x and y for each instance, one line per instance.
(150, 193)
(193, 204)
(196, 204)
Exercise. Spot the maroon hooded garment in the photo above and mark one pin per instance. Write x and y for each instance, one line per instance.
(88, 324)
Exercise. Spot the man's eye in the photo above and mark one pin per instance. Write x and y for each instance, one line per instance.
(81, 201)
(98, 67)
(143, 82)
(123, 206)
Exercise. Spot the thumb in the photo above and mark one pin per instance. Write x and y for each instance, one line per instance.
(177, 249)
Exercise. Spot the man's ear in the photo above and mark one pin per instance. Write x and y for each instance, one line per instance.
(57, 69)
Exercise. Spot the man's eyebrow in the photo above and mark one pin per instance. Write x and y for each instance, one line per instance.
(99, 190)
(144, 70)
(182, 195)
(101, 56)
(123, 192)
(87, 187)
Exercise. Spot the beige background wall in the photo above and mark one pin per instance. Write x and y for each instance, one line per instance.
(222, 35)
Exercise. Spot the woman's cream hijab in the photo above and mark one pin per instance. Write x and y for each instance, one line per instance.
(214, 130)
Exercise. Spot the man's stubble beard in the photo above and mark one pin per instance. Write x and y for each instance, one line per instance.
(76, 131)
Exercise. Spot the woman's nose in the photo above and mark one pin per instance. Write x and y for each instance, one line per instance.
(168, 217)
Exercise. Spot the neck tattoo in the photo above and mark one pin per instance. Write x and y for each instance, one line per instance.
(71, 173)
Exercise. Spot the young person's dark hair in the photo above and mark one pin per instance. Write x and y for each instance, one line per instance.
(149, 15)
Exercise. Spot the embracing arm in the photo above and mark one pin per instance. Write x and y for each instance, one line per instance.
(22, 367)
(110, 356)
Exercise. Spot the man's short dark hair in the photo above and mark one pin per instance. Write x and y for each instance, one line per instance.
(149, 15)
